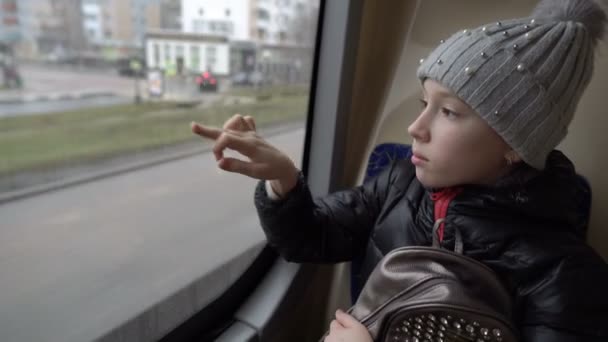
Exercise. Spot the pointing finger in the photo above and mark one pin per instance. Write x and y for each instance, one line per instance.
(204, 131)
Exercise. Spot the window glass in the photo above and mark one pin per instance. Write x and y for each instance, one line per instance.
(104, 191)
(211, 57)
(195, 55)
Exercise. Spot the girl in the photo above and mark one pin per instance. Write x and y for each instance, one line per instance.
(496, 102)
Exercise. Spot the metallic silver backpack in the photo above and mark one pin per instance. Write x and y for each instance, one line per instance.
(429, 294)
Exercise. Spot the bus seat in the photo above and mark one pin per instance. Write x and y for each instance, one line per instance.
(585, 206)
(380, 158)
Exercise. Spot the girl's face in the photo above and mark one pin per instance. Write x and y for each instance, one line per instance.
(452, 144)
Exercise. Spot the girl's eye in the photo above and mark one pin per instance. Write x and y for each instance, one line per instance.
(448, 113)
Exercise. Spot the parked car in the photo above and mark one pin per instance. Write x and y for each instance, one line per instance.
(254, 78)
(240, 79)
(258, 78)
(127, 67)
(206, 82)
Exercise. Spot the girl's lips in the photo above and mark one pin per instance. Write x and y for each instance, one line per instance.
(418, 159)
(420, 156)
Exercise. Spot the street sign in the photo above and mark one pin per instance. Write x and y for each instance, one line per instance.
(155, 83)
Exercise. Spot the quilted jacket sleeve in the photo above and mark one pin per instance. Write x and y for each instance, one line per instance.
(565, 304)
(541, 333)
(322, 230)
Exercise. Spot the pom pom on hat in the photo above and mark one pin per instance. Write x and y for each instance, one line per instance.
(587, 12)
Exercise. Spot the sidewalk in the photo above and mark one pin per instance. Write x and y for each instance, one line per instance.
(49, 82)
(24, 96)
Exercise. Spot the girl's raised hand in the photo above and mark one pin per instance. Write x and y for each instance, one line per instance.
(264, 160)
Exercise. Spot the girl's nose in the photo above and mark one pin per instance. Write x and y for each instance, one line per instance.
(419, 129)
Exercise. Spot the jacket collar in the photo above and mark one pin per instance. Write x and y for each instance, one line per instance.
(553, 195)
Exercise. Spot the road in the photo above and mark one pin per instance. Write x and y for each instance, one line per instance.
(40, 79)
(45, 107)
(77, 263)
(50, 88)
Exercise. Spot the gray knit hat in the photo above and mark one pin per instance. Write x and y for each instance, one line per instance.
(523, 76)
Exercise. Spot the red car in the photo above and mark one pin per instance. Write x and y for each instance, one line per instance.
(206, 82)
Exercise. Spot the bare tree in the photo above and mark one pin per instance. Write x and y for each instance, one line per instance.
(301, 31)
(302, 27)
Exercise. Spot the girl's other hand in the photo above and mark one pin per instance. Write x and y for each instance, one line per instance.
(345, 328)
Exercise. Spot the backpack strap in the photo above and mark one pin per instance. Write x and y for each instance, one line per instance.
(458, 244)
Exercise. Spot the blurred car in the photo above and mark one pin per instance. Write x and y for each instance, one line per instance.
(126, 67)
(254, 78)
(206, 82)
(258, 78)
(240, 79)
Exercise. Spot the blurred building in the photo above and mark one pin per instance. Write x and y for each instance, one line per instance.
(275, 37)
(170, 15)
(271, 20)
(9, 22)
(74, 31)
(264, 21)
(9, 35)
(93, 20)
(49, 28)
(125, 22)
(187, 53)
(228, 18)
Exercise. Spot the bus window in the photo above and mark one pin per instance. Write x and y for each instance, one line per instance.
(108, 202)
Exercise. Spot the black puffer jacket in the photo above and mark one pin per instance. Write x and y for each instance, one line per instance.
(528, 230)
